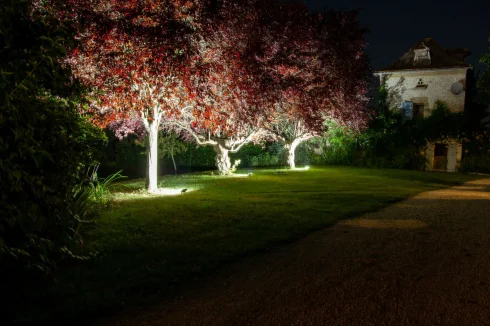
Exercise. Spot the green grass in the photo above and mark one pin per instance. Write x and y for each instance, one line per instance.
(150, 244)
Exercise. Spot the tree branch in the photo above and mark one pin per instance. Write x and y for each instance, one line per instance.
(245, 141)
(195, 135)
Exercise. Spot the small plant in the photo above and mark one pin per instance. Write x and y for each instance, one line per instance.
(87, 198)
(100, 187)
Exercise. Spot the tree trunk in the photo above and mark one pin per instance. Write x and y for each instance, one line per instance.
(291, 162)
(222, 159)
(291, 152)
(152, 157)
(173, 161)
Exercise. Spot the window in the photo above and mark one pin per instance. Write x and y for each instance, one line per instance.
(422, 56)
(440, 150)
(407, 110)
(421, 84)
(418, 110)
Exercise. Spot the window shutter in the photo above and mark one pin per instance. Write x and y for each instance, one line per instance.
(407, 110)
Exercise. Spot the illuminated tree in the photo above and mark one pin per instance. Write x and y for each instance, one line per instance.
(319, 65)
(219, 71)
(136, 57)
(229, 137)
(174, 64)
(231, 96)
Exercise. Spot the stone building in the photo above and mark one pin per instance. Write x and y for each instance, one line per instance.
(427, 73)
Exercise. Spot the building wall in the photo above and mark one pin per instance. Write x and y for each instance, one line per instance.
(454, 157)
(402, 86)
(429, 157)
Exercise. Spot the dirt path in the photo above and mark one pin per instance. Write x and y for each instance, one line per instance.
(424, 261)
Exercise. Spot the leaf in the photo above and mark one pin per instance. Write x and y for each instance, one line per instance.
(49, 40)
(16, 174)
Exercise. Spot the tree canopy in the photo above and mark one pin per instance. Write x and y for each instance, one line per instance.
(222, 73)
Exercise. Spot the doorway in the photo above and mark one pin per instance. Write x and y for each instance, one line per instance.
(418, 111)
(440, 157)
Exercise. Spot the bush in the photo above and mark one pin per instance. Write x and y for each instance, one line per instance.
(390, 141)
(195, 157)
(268, 154)
(338, 146)
(476, 164)
(45, 150)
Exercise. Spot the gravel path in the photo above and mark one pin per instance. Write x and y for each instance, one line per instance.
(424, 261)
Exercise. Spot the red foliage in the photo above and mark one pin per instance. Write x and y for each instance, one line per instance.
(319, 66)
(218, 69)
(135, 55)
(231, 93)
(346, 68)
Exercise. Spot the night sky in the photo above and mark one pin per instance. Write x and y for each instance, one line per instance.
(394, 27)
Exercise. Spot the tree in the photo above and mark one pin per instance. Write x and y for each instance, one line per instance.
(229, 137)
(231, 96)
(321, 70)
(476, 143)
(484, 86)
(484, 82)
(218, 70)
(170, 145)
(136, 56)
(172, 64)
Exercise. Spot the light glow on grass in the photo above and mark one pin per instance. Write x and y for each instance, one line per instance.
(306, 168)
(239, 175)
(160, 192)
(170, 191)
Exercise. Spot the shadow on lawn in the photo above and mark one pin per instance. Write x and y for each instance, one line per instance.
(434, 177)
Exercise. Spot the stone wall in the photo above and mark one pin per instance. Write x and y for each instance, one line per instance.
(435, 85)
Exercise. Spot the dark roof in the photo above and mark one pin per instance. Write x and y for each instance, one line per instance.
(439, 58)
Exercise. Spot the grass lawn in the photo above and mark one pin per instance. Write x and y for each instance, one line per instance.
(150, 244)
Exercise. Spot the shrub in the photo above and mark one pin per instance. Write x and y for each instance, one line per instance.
(196, 157)
(476, 164)
(268, 154)
(45, 150)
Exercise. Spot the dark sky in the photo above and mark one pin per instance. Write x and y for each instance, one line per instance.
(395, 26)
